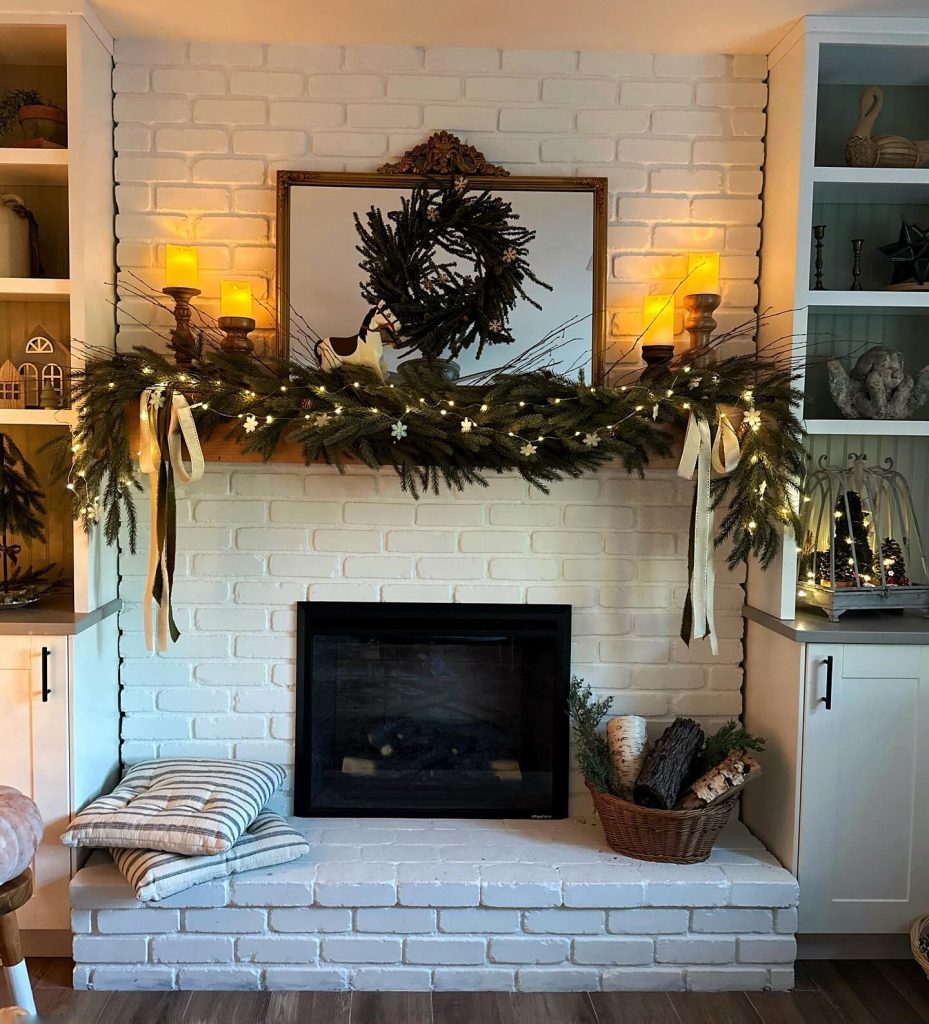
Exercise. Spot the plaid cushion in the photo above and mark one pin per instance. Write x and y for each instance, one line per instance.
(154, 875)
(183, 805)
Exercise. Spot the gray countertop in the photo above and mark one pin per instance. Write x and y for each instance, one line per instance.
(871, 627)
(53, 617)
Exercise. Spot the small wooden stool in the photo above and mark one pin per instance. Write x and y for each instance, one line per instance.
(13, 895)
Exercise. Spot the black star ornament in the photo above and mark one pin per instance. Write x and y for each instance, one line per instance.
(909, 255)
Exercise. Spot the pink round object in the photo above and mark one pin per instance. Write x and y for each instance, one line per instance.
(20, 832)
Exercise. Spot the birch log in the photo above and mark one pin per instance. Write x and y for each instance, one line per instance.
(668, 765)
(738, 768)
(628, 746)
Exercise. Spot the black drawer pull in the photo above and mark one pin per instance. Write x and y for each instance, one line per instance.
(45, 690)
(827, 700)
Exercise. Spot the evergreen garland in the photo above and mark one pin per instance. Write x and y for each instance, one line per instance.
(436, 434)
(442, 310)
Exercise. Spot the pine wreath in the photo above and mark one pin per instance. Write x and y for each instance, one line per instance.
(410, 258)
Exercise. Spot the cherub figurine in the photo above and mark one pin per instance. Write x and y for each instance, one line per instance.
(878, 387)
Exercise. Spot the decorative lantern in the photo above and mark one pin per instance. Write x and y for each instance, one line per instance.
(862, 547)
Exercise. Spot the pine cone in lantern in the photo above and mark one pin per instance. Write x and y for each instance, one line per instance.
(894, 563)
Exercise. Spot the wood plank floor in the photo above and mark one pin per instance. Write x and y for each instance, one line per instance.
(827, 992)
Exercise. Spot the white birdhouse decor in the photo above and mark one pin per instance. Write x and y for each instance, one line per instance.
(12, 389)
(40, 367)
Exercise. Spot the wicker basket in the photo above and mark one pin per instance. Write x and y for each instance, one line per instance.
(920, 926)
(672, 837)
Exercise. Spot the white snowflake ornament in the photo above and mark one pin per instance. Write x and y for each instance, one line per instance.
(528, 449)
(399, 430)
(510, 255)
(321, 419)
(461, 184)
(466, 425)
(592, 440)
(251, 424)
(753, 419)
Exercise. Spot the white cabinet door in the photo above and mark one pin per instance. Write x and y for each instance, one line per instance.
(34, 677)
(864, 811)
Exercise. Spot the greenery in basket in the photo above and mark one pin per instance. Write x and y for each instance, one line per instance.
(592, 751)
(13, 101)
(725, 741)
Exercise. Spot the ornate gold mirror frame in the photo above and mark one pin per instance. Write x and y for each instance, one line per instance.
(437, 162)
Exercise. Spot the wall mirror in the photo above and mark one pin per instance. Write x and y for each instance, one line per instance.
(319, 276)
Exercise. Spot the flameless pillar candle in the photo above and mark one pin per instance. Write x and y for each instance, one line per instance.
(702, 273)
(181, 269)
(235, 298)
(658, 320)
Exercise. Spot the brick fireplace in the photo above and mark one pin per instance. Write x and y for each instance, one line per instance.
(437, 709)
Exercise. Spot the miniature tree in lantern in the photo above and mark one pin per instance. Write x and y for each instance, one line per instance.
(852, 546)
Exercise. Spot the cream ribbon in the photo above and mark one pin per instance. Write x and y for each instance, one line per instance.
(181, 431)
(701, 451)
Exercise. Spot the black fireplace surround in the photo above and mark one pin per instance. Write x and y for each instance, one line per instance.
(432, 710)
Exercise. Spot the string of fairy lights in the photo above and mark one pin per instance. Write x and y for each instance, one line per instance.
(675, 386)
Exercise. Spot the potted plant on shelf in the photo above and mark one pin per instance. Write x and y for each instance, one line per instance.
(668, 802)
(41, 121)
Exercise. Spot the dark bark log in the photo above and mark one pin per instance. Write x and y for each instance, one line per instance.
(669, 764)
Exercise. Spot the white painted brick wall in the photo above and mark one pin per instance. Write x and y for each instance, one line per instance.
(227, 687)
(202, 129)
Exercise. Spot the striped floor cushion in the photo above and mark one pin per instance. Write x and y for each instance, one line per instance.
(186, 805)
(154, 875)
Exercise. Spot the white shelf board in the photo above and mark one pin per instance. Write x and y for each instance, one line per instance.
(37, 417)
(848, 300)
(55, 289)
(34, 167)
(883, 185)
(869, 428)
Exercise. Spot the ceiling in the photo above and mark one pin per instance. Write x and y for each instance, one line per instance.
(669, 26)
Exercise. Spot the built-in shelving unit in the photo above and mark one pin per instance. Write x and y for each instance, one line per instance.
(817, 76)
(59, 686)
(70, 192)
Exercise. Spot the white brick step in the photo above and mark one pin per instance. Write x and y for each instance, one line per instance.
(446, 904)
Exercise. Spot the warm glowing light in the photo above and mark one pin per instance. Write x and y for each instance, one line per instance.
(181, 268)
(235, 298)
(658, 320)
(702, 273)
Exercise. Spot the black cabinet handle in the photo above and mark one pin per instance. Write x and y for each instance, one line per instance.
(45, 690)
(827, 700)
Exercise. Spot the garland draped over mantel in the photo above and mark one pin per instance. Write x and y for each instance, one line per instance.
(435, 434)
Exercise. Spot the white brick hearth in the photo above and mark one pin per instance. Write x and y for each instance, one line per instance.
(449, 904)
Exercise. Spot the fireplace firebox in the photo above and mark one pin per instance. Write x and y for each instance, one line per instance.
(432, 710)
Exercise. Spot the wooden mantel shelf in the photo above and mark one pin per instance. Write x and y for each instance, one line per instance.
(219, 448)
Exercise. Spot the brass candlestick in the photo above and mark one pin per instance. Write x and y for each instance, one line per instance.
(699, 322)
(183, 341)
(237, 330)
